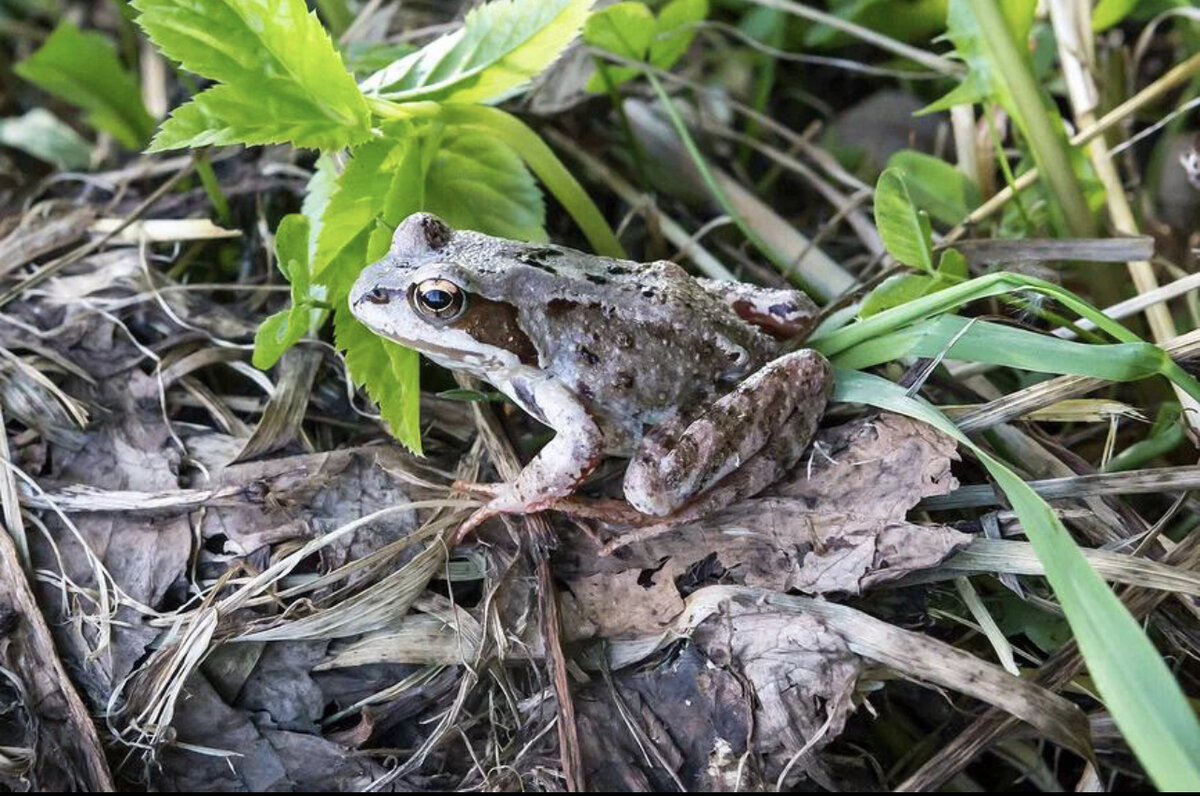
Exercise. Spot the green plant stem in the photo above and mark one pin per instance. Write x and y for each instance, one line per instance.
(1047, 144)
(212, 187)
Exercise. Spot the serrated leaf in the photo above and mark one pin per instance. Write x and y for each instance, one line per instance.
(902, 227)
(676, 30)
(625, 29)
(317, 194)
(359, 198)
(475, 182)
(935, 186)
(224, 115)
(46, 137)
(281, 77)
(389, 372)
(894, 291)
(82, 68)
(501, 46)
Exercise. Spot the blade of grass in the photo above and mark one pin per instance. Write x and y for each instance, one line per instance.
(1138, 689)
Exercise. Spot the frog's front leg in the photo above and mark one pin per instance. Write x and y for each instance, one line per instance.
(665, 474)
(562, 463)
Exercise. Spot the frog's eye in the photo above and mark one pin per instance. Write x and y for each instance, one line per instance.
(439, 299)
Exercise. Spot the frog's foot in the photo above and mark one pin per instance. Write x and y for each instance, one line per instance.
(504, 499)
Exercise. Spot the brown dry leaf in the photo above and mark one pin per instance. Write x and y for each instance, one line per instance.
(879, 466)
(48, 226)
(685, 722)
(836, 526)
(803, 677)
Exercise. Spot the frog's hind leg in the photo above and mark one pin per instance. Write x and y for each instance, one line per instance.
(773, 413)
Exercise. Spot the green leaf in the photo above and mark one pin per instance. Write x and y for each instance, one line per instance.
(82, 68)
(389, 372)
(1138, 689)
(476, 182)
(275, 335)
(280, 77)
(548, 168)
(904, 229)
(500, 47)
(623, 29)
(676, 30)
(630, 30)
(952, 267)
(291, 252)
(46, 137)
(359, 198)
(1111, 12)
(896, 290)
(935, 186)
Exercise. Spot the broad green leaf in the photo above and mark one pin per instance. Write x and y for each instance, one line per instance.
(275, 335)
(226, 114)
(542, 161)
(896, 290)
(317, 194)
(952, 267)
(501, 46)
(624, 29)
(291, 252)
(903, 228)
(476, 182)
(281, 78)
(675, 31)
(46, 137)
(389, 372)
(935, 186)
(1138, 689)
(284, 329)
(360, 196)
(1110, 12)
(82, 68)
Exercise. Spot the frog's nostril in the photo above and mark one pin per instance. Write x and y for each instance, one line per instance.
(378, 295)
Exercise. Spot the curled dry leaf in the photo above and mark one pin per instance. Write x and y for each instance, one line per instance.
(836, 525)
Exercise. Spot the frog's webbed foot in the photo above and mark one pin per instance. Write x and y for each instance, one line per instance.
(738, 446)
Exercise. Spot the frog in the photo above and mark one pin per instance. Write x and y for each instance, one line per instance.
(703, 385)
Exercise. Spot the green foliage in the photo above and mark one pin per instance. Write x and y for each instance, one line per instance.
(1138, 689)
(279, 77)
(906, 20)
(991, 37)
(416, 140)
(83, 69)
(903, 228)
(1110, 12)
(287, 327)
(936, 187)
(500, 47)
(631, 31)
(42, 134)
